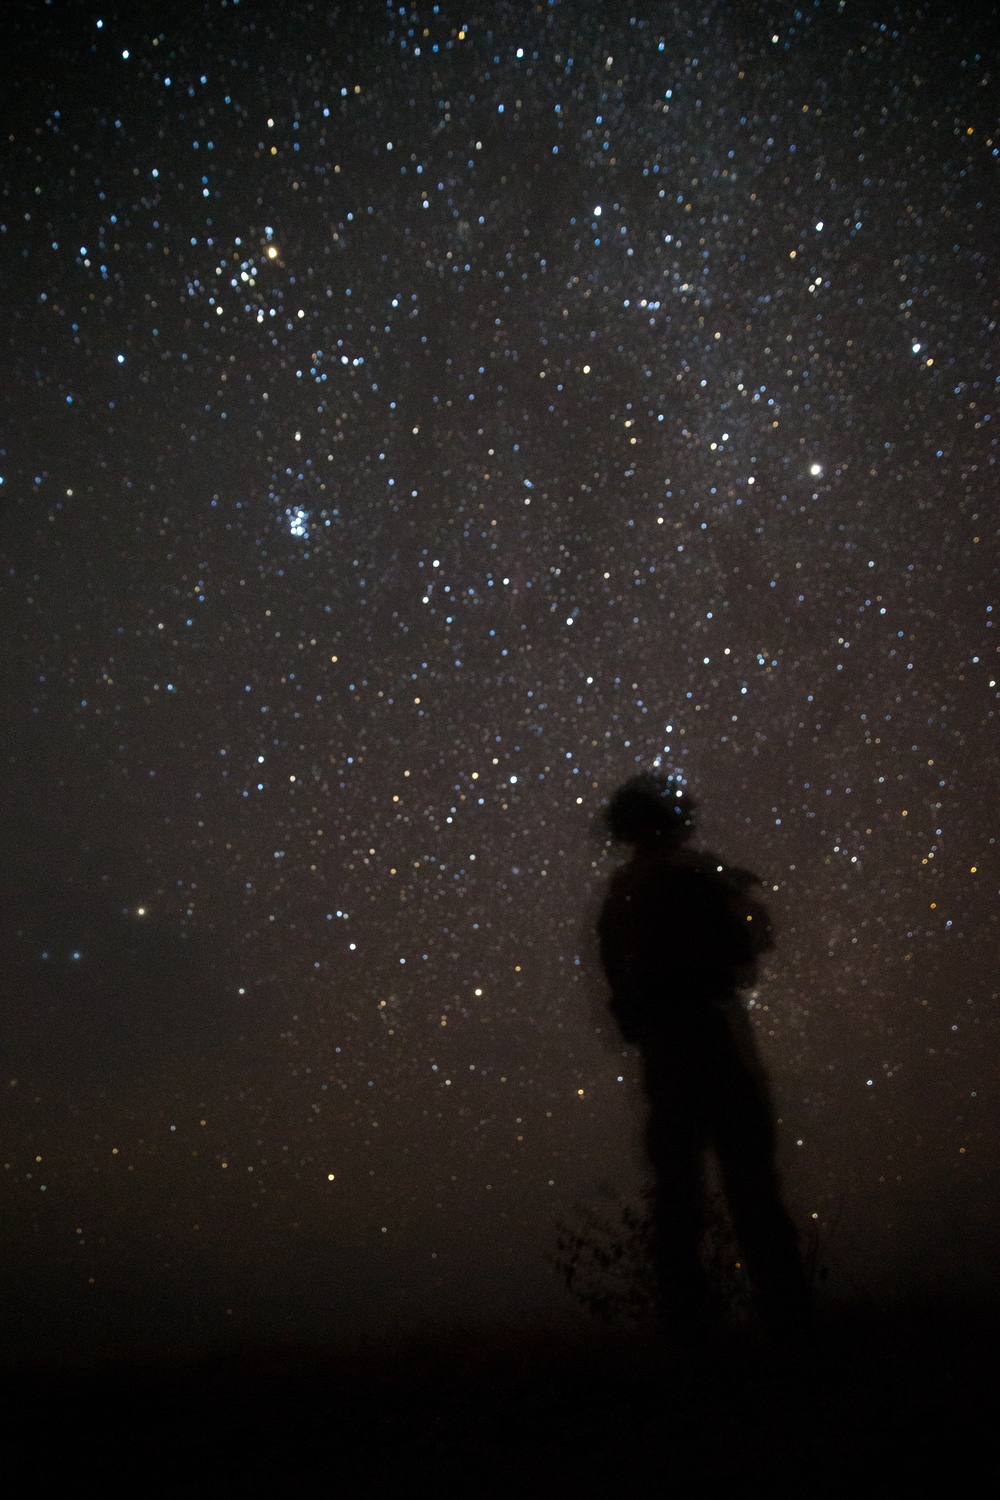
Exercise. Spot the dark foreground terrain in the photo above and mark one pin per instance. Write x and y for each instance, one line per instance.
(880, 1404)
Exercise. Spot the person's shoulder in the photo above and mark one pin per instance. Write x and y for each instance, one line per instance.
(707, 869)
(634, 881)
(682, 868)
(619, 892)
(668, 880)
(694, 882)
(701, 862)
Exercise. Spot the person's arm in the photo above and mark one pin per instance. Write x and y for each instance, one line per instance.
(617, 948)
(614, 947)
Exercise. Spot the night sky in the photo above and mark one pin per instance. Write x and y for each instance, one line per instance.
(417, 421)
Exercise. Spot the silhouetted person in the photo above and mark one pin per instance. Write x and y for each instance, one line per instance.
(680, 935)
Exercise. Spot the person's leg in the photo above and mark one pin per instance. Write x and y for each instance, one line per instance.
(767, 1237)
(743, 1136)
(675, 1147)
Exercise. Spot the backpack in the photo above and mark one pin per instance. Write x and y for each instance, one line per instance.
(683, 927)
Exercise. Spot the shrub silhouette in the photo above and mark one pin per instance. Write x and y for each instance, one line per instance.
(605, 1261)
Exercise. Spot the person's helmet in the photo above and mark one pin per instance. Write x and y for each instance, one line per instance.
(648, 807)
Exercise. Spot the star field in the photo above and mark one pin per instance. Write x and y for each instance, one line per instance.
(417, 422)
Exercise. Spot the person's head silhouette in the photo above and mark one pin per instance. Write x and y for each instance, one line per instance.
(650, 810)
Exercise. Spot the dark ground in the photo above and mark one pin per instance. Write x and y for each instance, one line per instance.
(882, 1403)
